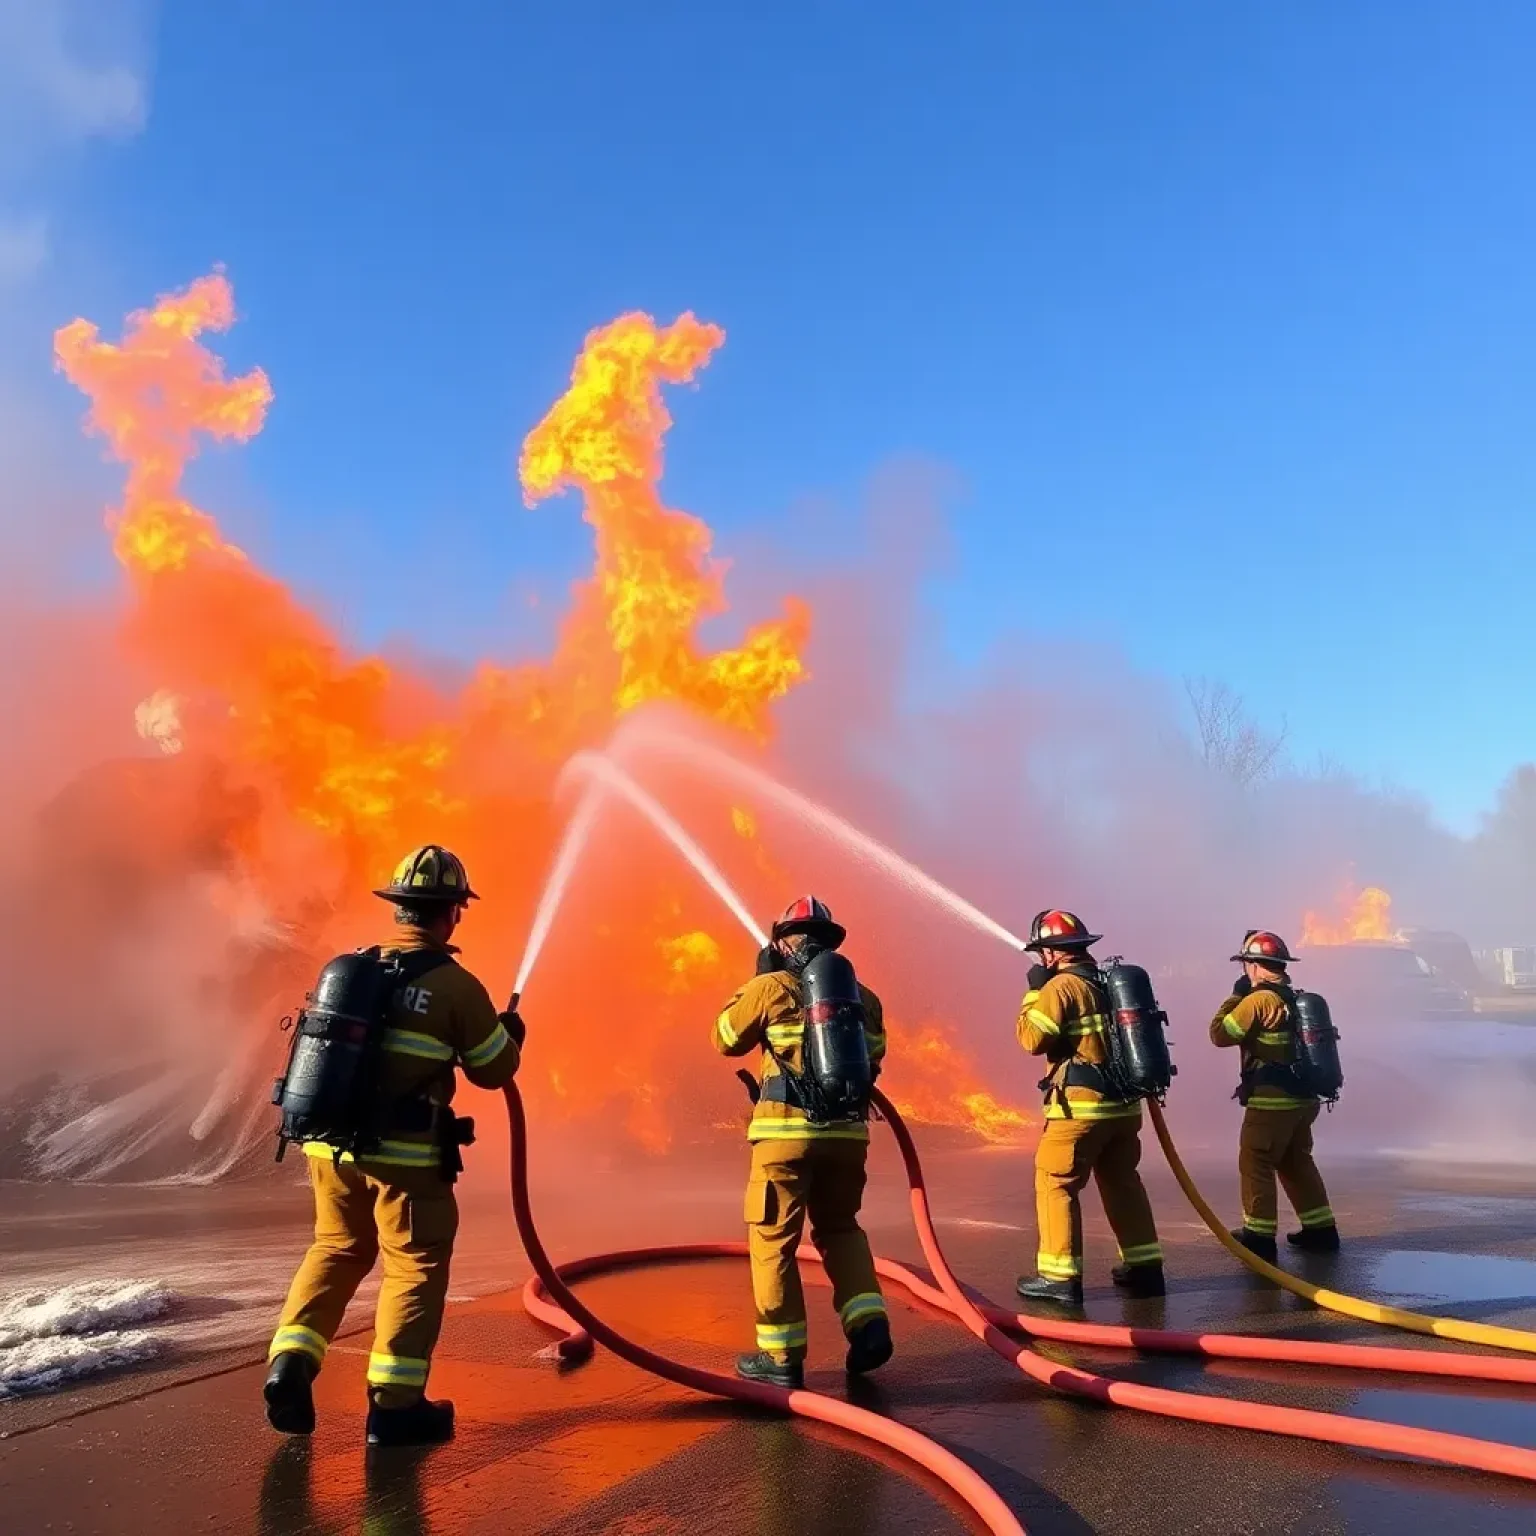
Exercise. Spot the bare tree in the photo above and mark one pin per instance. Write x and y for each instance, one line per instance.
(1230, 742)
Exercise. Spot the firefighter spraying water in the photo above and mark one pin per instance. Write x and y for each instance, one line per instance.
(1101, 1032)
(368, 1094)
(822, 1039)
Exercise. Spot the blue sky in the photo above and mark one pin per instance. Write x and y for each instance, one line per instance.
(1233, 302)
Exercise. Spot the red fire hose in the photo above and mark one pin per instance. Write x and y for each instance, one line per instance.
(984, 1321)
(918, 1448)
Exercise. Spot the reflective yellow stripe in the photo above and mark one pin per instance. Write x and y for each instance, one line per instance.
(1318, 1216)
(1269, 1100)
(489, 1048)
(407, 1042)
(293, 1339)
(1274, 1039)
(786, 1034)
(1263, 1226)
(1056, 1266)
(772, 1128)
(1075, 1109)
(400, 1154)
(723, 1030)
(1089, 1024)
(1043, 1022)
(396, 1371)
(859, 1309)
(1233, 1028)
(1143, 1253)
(780, 1337)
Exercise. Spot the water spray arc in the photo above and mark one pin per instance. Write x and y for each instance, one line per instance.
(867, 849)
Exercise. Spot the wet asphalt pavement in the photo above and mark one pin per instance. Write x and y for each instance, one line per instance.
(602, 1448)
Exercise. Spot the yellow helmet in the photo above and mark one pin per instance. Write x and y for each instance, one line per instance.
(429, 873)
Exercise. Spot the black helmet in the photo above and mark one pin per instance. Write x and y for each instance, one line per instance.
(429, 873)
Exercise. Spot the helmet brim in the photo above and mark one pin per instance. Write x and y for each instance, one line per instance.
(831, 934)
(397, 895)
(1286, 959)
(1087, 941)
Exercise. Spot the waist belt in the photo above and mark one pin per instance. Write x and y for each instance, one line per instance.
(1080, 1074)
(449, 1131)
(784, 1089)
(780, 1090)
(1278, 1075)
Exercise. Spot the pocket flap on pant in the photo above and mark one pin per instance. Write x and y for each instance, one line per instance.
(758, 1205)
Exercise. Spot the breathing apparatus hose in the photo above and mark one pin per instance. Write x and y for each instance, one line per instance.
(986, 1322)
(1334, 1301)
(915, 1447)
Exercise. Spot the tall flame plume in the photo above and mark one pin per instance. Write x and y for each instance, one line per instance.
(312, 768)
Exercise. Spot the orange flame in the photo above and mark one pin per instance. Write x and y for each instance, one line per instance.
(1366, 919)
(323, 766)
(936, 1075)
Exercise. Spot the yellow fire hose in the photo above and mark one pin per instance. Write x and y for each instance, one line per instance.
(1334, 1301)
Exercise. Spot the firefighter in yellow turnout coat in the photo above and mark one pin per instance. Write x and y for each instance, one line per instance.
(1088, 1132)
(1278, 1113)
(801, 1168)
(398, 1202)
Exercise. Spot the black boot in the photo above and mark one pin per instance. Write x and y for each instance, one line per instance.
(1140, 1279)
(1256, 1243)
(290, 1402)
(1315, 1239)
(761, 1366)
(1065, 1293)
(869, 1346)
(422, 1423)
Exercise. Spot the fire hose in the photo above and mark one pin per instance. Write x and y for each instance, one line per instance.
(915, 1447)
(1334, 1301)
(548, 1299)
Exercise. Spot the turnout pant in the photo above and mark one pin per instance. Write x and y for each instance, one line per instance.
(1069, 1152)
(1279, 1141)
(410, 1216)
(790, 1180)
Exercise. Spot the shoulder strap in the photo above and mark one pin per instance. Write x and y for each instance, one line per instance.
(412, 964)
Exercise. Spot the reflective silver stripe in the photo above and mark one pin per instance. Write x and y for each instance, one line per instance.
(408, 1042)
(292, 1339)
(489, 1048)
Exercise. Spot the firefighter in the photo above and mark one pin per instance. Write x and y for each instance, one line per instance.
(801, 1167)
(1088, 1131)
(1278, 1112)
(398, 1202)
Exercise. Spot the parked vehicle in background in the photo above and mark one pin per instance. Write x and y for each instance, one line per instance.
(1385, 979)
(1450, 955)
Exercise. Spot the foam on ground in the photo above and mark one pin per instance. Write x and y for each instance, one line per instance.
(48, 1338)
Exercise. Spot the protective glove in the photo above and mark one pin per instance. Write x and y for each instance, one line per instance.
(1242, 986)
(512, 1022)
(1038, 976)
(769, 960)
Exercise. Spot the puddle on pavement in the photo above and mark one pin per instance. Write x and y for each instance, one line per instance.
(1449, 1277)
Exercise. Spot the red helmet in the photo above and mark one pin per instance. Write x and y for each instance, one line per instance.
(1260, 947)
(1053, 929)
(810, 915)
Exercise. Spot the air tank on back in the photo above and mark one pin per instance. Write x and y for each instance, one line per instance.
(1138, 1044)
(836, 1057)
(323, 1080)
(1317, 1047)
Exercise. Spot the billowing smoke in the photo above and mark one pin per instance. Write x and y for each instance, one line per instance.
(203, 781)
